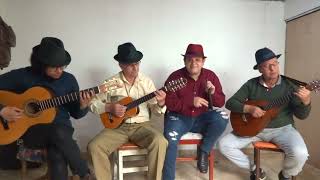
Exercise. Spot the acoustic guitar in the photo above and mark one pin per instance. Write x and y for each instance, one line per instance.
(244, 124)
(39, 106)
(110, 121)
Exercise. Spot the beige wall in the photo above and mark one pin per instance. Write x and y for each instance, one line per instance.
(303, 62)
(295, 8)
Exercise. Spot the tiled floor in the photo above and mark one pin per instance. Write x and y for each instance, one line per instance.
(224, 170)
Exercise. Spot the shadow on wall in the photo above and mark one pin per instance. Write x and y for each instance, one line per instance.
(99, 73)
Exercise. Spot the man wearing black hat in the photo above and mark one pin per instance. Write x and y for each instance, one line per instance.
(48, 61)
(269, 86)
(136, 129)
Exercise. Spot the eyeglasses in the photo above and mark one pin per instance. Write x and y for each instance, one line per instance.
(58, 67)
(194, 59)
(132, 64)
(271, 65)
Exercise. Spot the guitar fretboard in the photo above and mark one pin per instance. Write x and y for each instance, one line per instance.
(143, 99)
(60, 100)
(279, 101)
(284, 99)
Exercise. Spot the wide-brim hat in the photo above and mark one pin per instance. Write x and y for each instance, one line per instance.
(51, 52)
(263, 55)
(128, 54)
(194, 50)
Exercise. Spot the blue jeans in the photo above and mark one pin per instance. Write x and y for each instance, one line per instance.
(210, 124)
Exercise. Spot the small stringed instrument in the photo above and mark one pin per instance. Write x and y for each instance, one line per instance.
(111, 121)
(244, 124)
(38, 104)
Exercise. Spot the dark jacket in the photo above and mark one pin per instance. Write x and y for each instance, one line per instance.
(22, 79)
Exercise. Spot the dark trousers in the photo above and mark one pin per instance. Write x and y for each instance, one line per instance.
(62, 149)
(210, 124)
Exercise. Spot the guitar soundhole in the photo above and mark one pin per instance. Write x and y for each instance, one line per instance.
(32, 108)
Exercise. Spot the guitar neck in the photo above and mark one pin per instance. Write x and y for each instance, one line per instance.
(143, 99)
(284, 99)
(278, 102)
(60, 100)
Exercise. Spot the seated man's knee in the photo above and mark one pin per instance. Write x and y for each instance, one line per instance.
(299, 154)
(94, 147)
(61, 134)
(160, 140)
(224, 144)
(172, 137)
(220, 117)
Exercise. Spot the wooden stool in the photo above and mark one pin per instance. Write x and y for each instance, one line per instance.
(195, 139)
(22, 155)
(30, 155)
(262, 145)
(126, 150)
(130, 149)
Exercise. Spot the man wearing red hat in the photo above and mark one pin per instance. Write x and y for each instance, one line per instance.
(187, 110)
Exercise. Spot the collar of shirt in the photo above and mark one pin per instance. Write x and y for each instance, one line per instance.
(261, 81)
(138, 78)
(186, 73)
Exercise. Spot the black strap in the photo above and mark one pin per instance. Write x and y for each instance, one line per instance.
(4, 123)
(210, 106)
(297, 82)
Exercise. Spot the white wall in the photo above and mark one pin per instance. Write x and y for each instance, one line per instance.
(230, 31)
(296, 7)
(2, 8)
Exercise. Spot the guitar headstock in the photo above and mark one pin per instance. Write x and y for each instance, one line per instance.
(175, 85)
(110, 85)
(314, 85)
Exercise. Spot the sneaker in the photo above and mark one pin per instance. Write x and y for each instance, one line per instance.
(262, 175)
(281, 177)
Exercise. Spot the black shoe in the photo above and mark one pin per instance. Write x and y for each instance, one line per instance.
(203, 161)
(262, 175)
(281, 177)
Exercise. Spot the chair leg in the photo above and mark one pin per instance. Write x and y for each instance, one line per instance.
(120, 166)
(257, 162)
(211, 164)
(23, 169)
(112, 168)
(47, 175)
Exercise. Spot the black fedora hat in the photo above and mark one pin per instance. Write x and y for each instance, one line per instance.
(51, 52)
(263, 55)
(128, 54)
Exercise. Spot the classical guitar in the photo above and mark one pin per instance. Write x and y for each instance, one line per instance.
(244, 124)
(38, 104)
(111, 121)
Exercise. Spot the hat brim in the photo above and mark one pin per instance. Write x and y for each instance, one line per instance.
(128, 60)
(193, 55)
(56, 63)
(256, 66)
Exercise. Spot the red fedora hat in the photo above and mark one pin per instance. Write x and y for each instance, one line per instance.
(194, 50)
